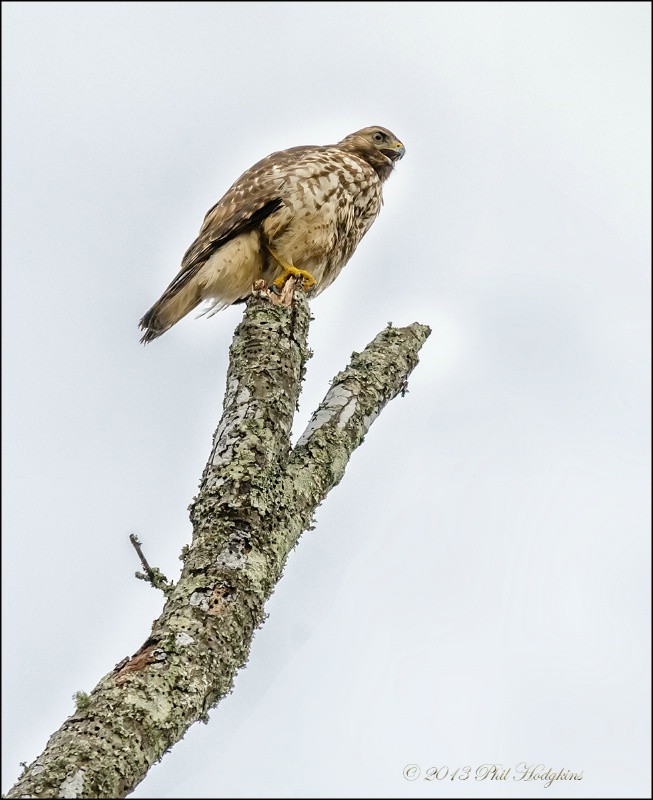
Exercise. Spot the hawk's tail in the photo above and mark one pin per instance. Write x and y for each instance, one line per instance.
(169, 310)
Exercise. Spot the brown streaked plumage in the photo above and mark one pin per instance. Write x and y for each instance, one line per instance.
(305, 208)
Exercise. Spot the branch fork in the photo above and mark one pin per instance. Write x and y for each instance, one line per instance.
(257, 495)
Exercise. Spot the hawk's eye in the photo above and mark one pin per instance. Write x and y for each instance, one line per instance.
(378, 136)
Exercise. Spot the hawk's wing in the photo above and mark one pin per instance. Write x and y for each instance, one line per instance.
(252, 198)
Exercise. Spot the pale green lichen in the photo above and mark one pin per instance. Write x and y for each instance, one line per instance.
(82, 700)
(250, 511)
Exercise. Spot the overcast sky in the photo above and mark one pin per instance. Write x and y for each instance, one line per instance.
(476, 589)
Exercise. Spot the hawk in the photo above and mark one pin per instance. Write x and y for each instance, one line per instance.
(300, 212)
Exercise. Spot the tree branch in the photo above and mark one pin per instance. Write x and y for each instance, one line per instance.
(152, 575)
(255, 499)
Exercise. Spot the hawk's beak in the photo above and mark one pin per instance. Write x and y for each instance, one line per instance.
(394, 153)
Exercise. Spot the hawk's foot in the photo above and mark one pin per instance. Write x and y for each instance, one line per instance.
(288, 270)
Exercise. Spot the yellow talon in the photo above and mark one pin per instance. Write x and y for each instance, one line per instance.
(309, 280)
(289, 270)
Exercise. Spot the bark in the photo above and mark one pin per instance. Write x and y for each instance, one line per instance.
(256, 496)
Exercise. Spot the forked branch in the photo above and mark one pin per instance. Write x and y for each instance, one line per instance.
(256, 496)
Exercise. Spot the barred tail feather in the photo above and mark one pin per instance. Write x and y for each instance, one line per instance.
(167, 311)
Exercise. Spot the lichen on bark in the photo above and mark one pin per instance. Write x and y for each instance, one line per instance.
(257, 495)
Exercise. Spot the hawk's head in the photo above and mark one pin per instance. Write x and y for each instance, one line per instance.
(377, 145)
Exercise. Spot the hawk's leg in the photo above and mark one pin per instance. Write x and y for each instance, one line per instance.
(288, 270)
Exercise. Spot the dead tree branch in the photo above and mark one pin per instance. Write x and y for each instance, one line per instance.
(256, 496)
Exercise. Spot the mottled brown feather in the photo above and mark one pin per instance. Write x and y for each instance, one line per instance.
(311, 205)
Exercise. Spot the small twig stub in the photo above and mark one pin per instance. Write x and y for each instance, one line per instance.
(152, 575)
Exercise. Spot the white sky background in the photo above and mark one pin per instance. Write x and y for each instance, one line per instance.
(476, 589)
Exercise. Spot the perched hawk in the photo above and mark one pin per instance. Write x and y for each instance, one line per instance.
(300, 212)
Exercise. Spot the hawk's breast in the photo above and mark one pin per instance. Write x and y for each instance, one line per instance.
(330, 200)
